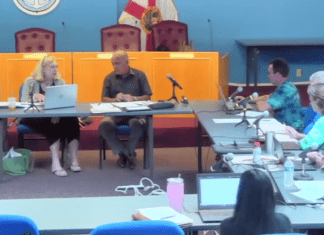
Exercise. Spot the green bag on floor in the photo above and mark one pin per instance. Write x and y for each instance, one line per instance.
(18, 165)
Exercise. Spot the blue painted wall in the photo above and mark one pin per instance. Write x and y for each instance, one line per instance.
(229, 20)
(82, 19)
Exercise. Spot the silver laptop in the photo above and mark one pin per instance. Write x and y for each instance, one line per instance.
(217, 195)
(229, 104)
(63, 96)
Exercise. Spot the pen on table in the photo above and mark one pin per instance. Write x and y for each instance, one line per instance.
(168, 217)
(99, 103)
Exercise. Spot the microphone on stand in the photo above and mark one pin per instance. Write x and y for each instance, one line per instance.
(169, 76)
(247, 100)
(312, 148)
(257, 126)
(238, 90)
(256, 122)
(218, 167)
(243, 103)
(303, 175)
(31, 94)
(228, 159)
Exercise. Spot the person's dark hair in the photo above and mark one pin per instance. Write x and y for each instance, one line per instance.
(255, 205)
(280, 66)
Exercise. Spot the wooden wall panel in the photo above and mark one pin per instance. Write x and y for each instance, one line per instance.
(16, 67)
(224, 73)
(196, 72)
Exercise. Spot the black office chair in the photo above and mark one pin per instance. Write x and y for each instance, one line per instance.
(122, 132)
(24, 133)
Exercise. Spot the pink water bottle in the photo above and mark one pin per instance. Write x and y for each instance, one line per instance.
(175, 192)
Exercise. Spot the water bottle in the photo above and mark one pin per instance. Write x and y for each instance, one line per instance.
(289, 173)
(257, 154)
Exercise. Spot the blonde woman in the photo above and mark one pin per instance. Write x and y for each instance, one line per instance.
(54, 129)
(316, 134)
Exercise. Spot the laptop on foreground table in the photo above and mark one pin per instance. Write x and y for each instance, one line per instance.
(63, 96)
(217, 195)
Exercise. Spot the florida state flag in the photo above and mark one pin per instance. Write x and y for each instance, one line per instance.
(145, 13)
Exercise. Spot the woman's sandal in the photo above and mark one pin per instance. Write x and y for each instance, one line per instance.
(61, 172)
(75, 168)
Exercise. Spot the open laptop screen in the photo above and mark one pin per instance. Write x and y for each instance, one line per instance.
(217, 191)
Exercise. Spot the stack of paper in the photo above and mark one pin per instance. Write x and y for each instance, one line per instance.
(250, 114)
(310, 190)
(248, 159)
(271, 124)
(132, 104)
(104, 108)
(165, 213)
(18, 104)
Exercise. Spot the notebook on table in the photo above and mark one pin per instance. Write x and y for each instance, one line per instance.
(287, 143)
(217, 195)
(63, 96)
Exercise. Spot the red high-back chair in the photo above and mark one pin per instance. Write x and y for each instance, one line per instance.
(35, 40)
(170, 34)
(121, 37)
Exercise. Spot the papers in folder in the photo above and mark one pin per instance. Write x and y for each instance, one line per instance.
(164, 213)
(104, 108)
(18, 104)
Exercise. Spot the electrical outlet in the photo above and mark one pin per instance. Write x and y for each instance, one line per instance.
(299, 73)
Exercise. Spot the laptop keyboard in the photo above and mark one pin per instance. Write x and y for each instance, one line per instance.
(215, 215)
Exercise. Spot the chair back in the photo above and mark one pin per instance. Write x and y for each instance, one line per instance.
(149, 227)
(16, 224)
(121, 37)
(170, 34)
(35, 40)
(308, 114)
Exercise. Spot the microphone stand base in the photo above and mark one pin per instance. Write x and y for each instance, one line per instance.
(31, 107)
(174, 98)
(301, 176)
(243, 121)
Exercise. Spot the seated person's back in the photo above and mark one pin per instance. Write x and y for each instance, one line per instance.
(255, 208)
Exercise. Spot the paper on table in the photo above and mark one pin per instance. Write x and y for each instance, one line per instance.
(271, 124)
(104, 108)
(132, 104)
(310, 190)
(248, 159)
(18, 104)
(250, 114)
(285, 138)
(157, 213)
(222, 120)
(166, 213)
